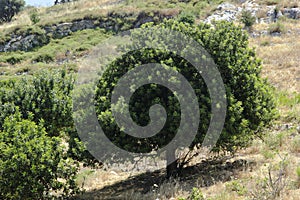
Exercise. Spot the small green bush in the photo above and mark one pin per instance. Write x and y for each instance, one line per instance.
(277, 27)
(196, 195)
(186, 18)
(237, 187)
(14, 59)
(47, 58)
(34, 17)
(33, 165)
(247, 19)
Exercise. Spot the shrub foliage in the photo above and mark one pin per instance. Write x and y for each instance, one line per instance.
(9, 8)
(249, 97)
(33, 164)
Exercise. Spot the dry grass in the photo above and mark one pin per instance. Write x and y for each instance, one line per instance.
(61, 13)
(280, 60)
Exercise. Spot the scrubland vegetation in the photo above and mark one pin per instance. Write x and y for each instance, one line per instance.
(41, 156)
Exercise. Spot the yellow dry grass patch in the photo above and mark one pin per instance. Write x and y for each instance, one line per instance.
(280, 56)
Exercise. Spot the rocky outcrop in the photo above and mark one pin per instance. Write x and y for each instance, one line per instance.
(112, 22)
(230, 12)
(293, 13)
(268, 14)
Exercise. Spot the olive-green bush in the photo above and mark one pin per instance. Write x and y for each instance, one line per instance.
(32, 164)
(249, 97)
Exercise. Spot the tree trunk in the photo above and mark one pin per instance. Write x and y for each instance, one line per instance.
(172, 168)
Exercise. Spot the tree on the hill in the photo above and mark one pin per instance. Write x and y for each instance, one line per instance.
(250, 104)
(9, 8)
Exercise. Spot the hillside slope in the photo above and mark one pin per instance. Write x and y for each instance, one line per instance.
(66, 33)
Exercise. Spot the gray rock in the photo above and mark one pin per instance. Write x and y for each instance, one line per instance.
(298, 129)
(276, 34)
(264, 32)
(293, 13)
(226, 6)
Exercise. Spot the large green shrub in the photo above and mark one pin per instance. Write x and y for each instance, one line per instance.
(48, 96)
(32, 164)
(249, 97)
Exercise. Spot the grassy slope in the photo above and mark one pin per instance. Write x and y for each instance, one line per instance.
(280, 57)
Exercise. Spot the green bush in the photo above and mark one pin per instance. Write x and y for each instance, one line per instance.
(34, 17)
(48, 95)
(247, 19)
(33, 165)
(47, 58)
(237, 187)
(196, 195)
(250, 102)
(277, 27)
(186, 18)
(14, 59)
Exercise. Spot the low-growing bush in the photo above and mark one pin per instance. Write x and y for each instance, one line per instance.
(34, 17)
(186, 18)
(277, 27)
(14, 59)
(47, 58)
(237, 187)
(247, 18)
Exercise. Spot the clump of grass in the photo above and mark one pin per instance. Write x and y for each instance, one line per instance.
(237, 187)
(46, 58)
(295, 146)
(298, 175)
(14, 59)
(265, 43)
(277, 27)
(270, 2)
(274, 182)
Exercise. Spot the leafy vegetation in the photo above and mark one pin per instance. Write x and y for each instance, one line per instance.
(33, 165)
(247, 111)
(38, 141)
(9, 8)
(247, 18)
(80, 43)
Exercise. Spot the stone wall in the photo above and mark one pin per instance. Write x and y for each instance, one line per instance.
(112, 22)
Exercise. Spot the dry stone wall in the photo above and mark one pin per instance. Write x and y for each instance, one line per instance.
(113, 22)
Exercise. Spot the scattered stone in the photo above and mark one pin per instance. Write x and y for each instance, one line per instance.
(114, 173)
(286, 127)
(276, 34)
(298, 129)
(226, 6)
(293, 13)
